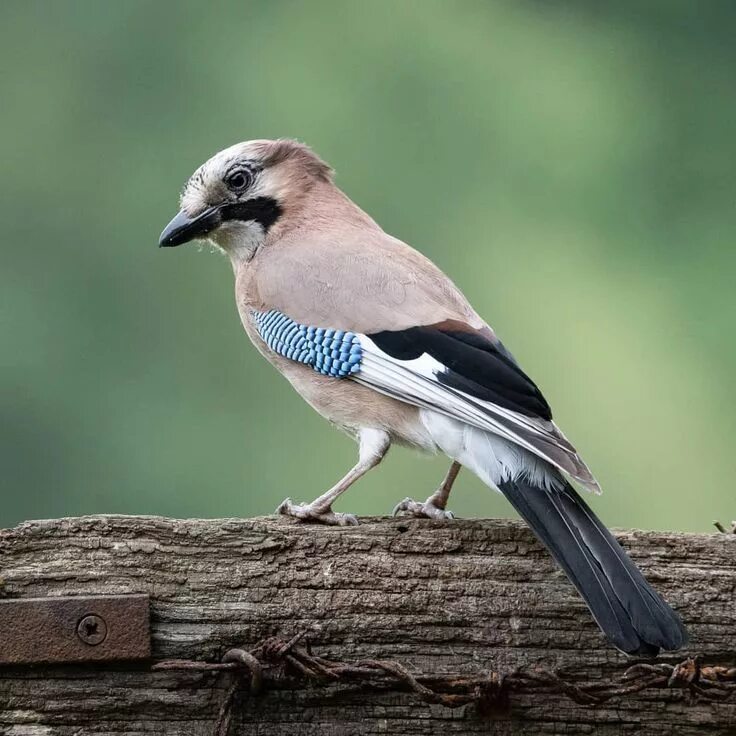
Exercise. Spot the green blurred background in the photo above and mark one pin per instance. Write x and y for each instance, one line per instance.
(569, 164)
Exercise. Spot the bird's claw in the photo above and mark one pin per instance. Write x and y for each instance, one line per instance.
(422, 510)
(308, 512)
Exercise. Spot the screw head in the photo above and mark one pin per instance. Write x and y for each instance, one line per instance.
(92, 629)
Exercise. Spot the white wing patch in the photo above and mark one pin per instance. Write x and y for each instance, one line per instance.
(416, 382)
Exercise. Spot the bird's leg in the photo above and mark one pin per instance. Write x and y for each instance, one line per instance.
(434, 506)
(374, 444)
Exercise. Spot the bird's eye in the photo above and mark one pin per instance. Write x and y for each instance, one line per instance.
(239, 181)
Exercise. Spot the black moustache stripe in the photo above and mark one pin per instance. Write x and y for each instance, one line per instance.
(264, 210)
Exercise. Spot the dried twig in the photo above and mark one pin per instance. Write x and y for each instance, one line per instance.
(717, 524)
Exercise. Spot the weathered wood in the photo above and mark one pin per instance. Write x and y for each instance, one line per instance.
(453, 597)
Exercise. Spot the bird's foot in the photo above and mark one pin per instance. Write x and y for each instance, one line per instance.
(313, 513)
(422, 510)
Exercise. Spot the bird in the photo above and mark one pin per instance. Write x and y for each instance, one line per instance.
(379, 341)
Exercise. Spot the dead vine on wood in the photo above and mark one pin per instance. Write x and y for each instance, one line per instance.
(717, 524)
(707, 682)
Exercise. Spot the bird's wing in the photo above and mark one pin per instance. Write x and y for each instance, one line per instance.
(468, 376)
(419, 339)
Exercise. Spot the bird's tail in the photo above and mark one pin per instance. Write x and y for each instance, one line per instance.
(628, 610)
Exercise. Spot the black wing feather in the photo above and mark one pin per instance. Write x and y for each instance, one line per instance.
(474, 364)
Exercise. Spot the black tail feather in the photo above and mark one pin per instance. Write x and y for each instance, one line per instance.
(628, 610)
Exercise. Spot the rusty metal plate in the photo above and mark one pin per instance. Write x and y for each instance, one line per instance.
(74, 629)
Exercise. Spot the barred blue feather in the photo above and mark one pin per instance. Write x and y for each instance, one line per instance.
(330, 352)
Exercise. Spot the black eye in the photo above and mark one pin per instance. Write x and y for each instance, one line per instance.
(239, 181)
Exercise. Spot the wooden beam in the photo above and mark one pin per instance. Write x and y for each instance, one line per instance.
(462, 597)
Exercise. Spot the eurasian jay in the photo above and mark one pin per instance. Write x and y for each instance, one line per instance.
(383, 344)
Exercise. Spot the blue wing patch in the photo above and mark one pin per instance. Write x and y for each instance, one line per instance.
(330, 352)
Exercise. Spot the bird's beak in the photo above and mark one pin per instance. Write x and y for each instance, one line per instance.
(182, 228)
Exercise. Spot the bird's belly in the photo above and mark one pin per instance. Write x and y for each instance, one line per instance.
(351, 406)
(346, 403)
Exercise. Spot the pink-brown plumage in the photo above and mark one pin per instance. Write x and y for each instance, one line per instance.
(430, 373)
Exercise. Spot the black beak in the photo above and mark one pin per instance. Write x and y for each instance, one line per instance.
(182, 228)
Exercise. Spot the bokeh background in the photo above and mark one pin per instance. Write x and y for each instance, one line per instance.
(569, 164)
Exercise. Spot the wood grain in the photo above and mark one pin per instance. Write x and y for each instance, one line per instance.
(455, 597)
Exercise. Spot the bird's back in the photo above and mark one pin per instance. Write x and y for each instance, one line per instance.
(345, 271)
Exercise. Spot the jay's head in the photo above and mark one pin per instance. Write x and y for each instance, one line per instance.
(237, 197)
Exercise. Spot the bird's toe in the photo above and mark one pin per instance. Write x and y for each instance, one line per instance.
(344, 519)
(310, 513)
(286, 507)
(425, 510)
(404, 507)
